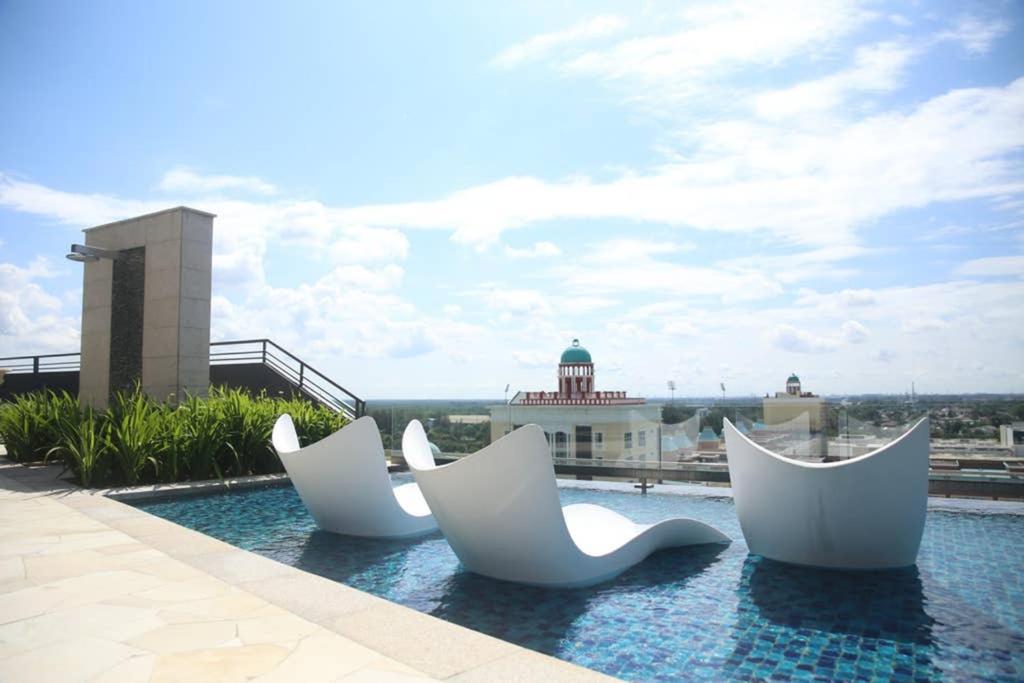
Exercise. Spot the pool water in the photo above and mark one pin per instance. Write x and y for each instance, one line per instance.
(689, 613)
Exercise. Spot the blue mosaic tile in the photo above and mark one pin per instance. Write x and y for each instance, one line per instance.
(688, 614)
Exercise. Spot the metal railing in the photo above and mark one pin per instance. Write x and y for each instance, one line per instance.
(287, 365)
(47, 362)
(290, 367)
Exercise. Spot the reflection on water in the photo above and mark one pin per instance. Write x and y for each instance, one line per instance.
(545, 619)
(873, 604)
(820, 622)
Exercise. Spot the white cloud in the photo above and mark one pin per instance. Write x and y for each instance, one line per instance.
(876, 68)
(857, 297)
(722, 36)
(190, 182)
(357, 244)
(810, 187)
(792, 339)
(975, 34)
(923, 323)
(518, 302)
(538, 250)
(807, 187)
(626, 250)
(542, 45)
(993, 266)
(885, 356)
(535, 359)
(853, 332)
(679, 328)
(31, 319)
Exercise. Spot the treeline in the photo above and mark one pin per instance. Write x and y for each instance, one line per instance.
(450, 437)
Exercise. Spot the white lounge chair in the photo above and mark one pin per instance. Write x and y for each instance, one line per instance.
(343, 481)
(500, 511)
(864, 513)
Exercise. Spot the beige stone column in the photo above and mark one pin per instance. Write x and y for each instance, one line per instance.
(161, 335)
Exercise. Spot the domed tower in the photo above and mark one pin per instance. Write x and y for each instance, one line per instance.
(793, 385)
(575, 372)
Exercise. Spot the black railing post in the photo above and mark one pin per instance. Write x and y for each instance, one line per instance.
(302, 372)
(35, 365)
(264, 360)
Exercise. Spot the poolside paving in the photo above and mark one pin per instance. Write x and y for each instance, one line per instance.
(92, 589)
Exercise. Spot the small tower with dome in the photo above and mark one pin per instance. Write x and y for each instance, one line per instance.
(793, 385)
(575, 371)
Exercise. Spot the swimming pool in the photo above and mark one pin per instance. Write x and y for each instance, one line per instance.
(690, 613)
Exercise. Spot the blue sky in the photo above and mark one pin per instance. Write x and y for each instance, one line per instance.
(432, 201)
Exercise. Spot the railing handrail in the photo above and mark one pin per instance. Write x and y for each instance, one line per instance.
(291, 355)
(306, 378)
(40, 355)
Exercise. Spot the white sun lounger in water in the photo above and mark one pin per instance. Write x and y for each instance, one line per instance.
(500, 511)
(864, 513)
(344, 483)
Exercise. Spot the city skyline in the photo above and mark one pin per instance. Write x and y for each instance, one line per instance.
(432, 202)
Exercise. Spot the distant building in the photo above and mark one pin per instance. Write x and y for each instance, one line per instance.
(580, 421)
(793, 402)
(789, 405)
(1012, 436)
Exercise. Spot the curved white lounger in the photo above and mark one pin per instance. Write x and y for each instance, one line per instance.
(499, 510)
(343, 481)
(864, 513)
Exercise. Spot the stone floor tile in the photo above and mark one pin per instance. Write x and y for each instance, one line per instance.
(54, 566)
(12, 569)
(183, 591)
(283, 627)
(226, 664)
(325, 657)
(110, 622)
(29, 602)
(135, 669)
(71, 659)
(98, 586)
(235, 604)
(185, 637)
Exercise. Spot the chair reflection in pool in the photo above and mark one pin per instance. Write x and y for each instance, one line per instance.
(864, 513)
(343, 481)
(500, 511)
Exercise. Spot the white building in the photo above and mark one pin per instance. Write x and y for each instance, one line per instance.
(1012, 436)
(790, 405)
(581, 422)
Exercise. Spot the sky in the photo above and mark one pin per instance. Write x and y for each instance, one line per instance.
(431, 200)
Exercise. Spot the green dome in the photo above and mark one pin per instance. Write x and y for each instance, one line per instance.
(576, 354)
(793, 378)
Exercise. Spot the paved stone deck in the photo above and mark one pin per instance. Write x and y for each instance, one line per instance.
(92, 589)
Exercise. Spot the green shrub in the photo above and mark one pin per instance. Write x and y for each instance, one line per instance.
(137, 440)
(248, 423)
(134, 436)
(29, 423)
(83, 446)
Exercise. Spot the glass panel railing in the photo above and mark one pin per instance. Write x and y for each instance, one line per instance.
(854, 437)
(681, 442)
